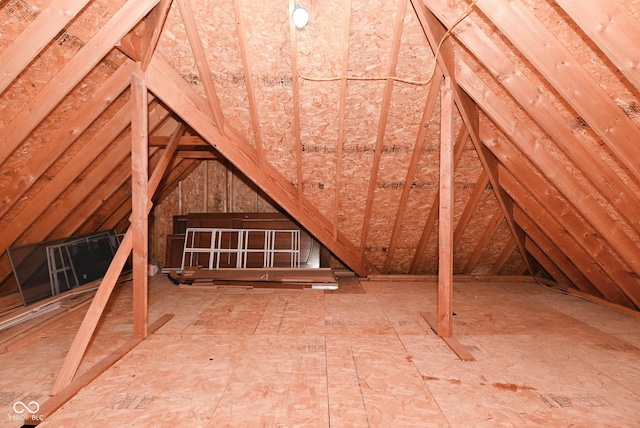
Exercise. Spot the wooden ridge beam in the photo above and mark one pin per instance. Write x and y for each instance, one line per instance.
(176, 93)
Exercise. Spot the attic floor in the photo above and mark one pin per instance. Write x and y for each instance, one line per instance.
(358, 357)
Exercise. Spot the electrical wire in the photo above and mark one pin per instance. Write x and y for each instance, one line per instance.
(394, 78)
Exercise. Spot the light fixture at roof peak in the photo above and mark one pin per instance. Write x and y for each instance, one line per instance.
(300, 17)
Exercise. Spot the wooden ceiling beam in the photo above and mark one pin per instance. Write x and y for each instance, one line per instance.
(51, 20)
(398, 25)
(68, 77)
(176, 93)
(64, 137)
(563, 212)
(585, 199)
(202, 64)
(578, 88)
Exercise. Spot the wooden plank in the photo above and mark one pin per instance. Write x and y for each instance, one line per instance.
(470, 206)
(460, 350)
(382, 123)
(177, 94)
(482, 244)
(586, 153)
(582, 198)
(35, 37)
(557, 271)
(77, 123)
(567, 76)
(201, 63)
(427, 112)
(445, 216)
(611, 27)
(61, 396)
(140, 198)
(246, 67)
(69, 76)
(435, 32)
(433, 212)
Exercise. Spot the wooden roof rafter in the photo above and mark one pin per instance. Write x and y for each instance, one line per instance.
(586, 154)
(611, 27)
(71, 73)
(568, 184)
(567, 76)
(36, 37)
(382, 125)
(344, 64)
(435, 32)
(246, 67)
(65, 136)
(427, 113)
(592, 241)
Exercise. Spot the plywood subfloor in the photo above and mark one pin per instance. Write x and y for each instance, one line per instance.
(359, 357)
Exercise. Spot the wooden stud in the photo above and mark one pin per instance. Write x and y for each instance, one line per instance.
(445, 216)
(140, 199)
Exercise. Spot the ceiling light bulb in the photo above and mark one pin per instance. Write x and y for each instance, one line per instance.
(300, 17)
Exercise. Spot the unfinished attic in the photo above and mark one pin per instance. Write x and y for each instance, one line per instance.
(466, 173)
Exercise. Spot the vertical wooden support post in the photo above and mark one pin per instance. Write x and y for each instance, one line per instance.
(140, 198)
(445, 241)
